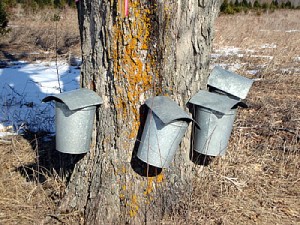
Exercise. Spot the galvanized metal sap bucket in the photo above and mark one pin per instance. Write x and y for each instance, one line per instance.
(74, 117)
(215, 111)
(225, 82)
(215, 115)
(164, 129)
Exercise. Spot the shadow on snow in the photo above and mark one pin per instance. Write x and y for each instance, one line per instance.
(23, 86)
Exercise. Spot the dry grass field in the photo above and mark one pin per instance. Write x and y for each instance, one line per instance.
(256, 182)
(38, 35)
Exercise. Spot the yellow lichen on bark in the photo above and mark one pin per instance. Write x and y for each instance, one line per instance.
(151, 182)
(133, 67)
(133, 205)
(135, 71)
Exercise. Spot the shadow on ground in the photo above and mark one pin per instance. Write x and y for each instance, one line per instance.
(49, 161)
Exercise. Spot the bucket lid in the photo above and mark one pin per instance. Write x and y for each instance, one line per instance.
(76, 99)
(166, 109)
(220, 103)
(229, 82)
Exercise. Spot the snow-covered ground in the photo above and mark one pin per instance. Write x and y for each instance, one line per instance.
(23, 86)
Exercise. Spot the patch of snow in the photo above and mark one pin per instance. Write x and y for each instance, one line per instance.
(215, 55)
(262, 56)
(33, 53)
(264, 30)
(287, 70)
(292, 31)
(228, 50)
(269, 46)
(3, 134)
(13, 26)
(231, 67)
(257, 79)
(218, 55)
(22, 88)
(252, 72)
(234, 67)
(297, 59)
(249, 50)
(5, 131)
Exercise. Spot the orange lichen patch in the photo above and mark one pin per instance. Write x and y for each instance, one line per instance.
(135, 70)
(151, 183)
(160, 178)
(123, 169)
(122, 197)
(134, 207)
(149, 187)
(133, 65)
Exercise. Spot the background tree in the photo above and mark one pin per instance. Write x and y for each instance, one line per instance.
(265, 6)
(238, 6)
(256, 4)
(227, 8)
(275, 3)
(288, 5)
(245, 4)
(161, 48)
(224, 5)
(3, 19)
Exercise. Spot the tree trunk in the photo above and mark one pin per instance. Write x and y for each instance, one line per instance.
(160, 48)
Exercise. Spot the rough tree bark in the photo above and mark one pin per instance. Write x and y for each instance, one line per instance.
(161, 48)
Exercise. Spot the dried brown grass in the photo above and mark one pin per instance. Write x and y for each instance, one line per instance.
(33, 36)
(258, 180)
(251, 32)
(23, 200)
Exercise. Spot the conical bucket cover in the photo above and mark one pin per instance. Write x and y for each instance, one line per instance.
(229, 83)
(164, 129)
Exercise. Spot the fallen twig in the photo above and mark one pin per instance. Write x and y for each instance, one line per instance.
(234, 181)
